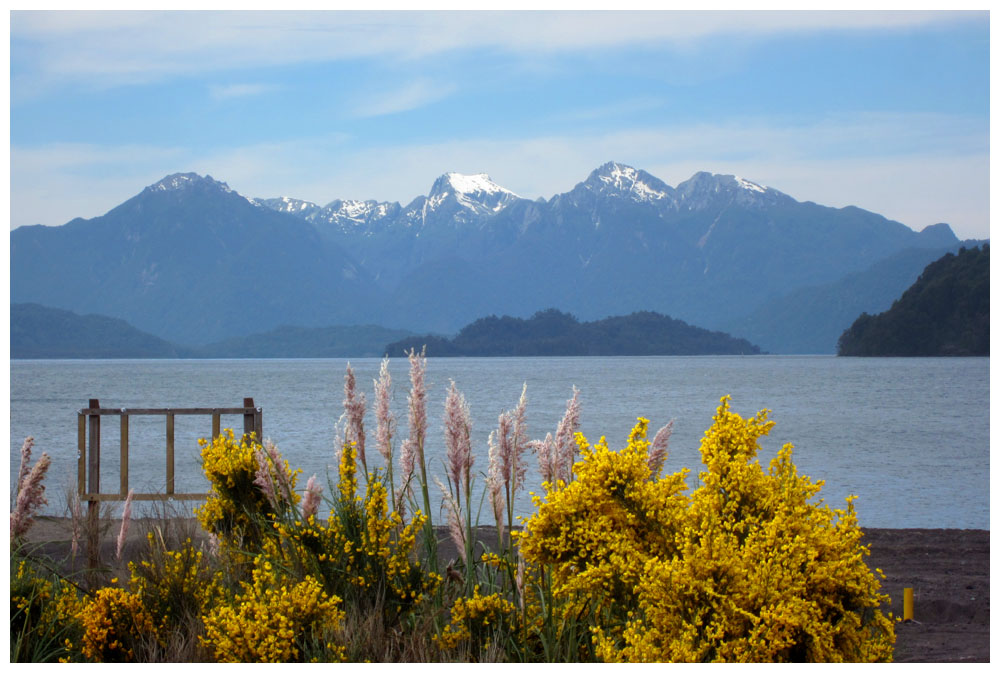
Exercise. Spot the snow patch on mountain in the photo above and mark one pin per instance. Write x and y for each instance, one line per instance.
(179, 181)
(286, 204)
(476, 193)
(616, 179)
(475, 184)
(709, 190)
(175, 182)
(751, 186)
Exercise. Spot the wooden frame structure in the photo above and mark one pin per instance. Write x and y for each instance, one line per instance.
(89, 452)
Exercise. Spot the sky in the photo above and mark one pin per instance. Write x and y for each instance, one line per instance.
(888, 111)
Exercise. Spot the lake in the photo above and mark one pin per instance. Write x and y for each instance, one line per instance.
(909, 437)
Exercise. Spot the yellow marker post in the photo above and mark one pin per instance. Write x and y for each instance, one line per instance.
(907, 604)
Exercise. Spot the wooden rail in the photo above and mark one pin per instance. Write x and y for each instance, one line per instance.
(89, 453)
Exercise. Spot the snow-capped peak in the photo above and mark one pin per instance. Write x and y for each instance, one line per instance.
(704, 190)
(179, 181)
(476, 192)
(622, 179)
(192, 181)
(286, 204)
(351, 208)
(476, 184)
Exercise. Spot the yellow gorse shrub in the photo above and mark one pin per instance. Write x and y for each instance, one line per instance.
(43, 609)
(596, 534)
(237, 505)
(175, 585)
(362, 552)
(275, 620)
(113, 622)
(477, 621)
(746, 568)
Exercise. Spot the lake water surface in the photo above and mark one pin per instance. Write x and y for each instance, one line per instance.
(909, 437)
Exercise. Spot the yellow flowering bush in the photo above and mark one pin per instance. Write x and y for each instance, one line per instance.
(746, 568)
(176, 586)
(362, 551)
(114, 622)
(44, 614)
(478, 621)
(596, 534)
(238, 506)
(275, 620)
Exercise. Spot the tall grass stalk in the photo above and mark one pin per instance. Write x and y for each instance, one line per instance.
(417, 441)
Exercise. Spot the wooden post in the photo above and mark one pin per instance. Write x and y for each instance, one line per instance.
(907, 604)
(170, 454)
(81, 454)
(94, 487)
(249, 418)
(216, 425)
(123, 479)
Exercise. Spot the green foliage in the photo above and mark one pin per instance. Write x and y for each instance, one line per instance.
(44, 612)
(945, 312)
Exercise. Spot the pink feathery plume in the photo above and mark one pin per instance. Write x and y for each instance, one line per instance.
(385, 423)
(29, 443)
(126, 518)
(418, 401)
(519, 441)
(311, 499)
(495, 482)
(658, 449)
(457, 431)
(455, 528)
(505, 447)
(272, 475)
(284, 474)
(30, 496)
(545, 449)
(354, 410)
(566, 447)
(264, 479)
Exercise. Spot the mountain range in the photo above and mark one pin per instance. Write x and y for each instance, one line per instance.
(190, 260)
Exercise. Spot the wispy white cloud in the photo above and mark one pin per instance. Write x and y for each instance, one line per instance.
(111, 48)
(409, 96)
(917, 184)
(227, 91)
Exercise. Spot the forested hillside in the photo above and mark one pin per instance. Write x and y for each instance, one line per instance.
(946, 312)
(552, 332)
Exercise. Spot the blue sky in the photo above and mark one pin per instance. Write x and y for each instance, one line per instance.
(888, 111)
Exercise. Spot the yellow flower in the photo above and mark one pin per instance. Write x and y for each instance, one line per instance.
(746, 568)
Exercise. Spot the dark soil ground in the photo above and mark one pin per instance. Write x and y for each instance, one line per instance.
(948, 569)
